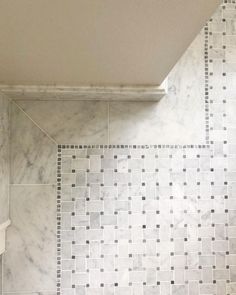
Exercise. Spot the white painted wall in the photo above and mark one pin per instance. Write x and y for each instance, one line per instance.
(105, 42)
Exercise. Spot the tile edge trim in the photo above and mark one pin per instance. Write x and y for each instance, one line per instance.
(88, 93)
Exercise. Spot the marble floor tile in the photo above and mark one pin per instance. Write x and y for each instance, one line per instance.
(70, 121)
(178, 118)
(30, 260)
(33, 154)
(152, 223)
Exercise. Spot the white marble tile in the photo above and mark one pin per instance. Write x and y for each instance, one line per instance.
(30, 259)
(4, 158)
(33, 154)
(177, 119)
(70, 121)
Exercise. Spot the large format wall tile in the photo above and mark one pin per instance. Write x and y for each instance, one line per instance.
(177, 119)
(30, 260)
(33, 154)
(4, 158)
(70, 121)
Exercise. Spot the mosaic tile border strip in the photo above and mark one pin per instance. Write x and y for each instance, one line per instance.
(58, 230)
(99, 146)
(206, 72)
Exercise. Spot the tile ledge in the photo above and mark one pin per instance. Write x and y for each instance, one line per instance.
(3, 227)
(100, 93)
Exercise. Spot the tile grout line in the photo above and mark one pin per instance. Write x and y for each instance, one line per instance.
(52, 139)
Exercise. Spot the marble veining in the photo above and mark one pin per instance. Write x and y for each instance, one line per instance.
(31, 246)
(33, 154)
(70, 121)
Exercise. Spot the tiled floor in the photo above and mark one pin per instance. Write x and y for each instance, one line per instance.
(133, 221)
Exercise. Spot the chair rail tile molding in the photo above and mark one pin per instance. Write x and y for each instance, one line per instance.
(119, 93)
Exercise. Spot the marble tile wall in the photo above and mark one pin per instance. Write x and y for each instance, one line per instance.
(30, 260)
(131, 219)
(32, 151)
(29, 264)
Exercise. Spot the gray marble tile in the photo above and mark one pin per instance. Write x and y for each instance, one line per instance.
(4, 158)
(177, 119)
(70, 121)
(30, 259)
(33, 154)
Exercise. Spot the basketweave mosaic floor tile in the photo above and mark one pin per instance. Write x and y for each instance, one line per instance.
(138, 221)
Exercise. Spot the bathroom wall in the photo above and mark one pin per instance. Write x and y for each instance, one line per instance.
(130, 198)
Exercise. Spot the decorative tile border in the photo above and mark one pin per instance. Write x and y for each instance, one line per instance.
(206, 72)
(59, 220)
